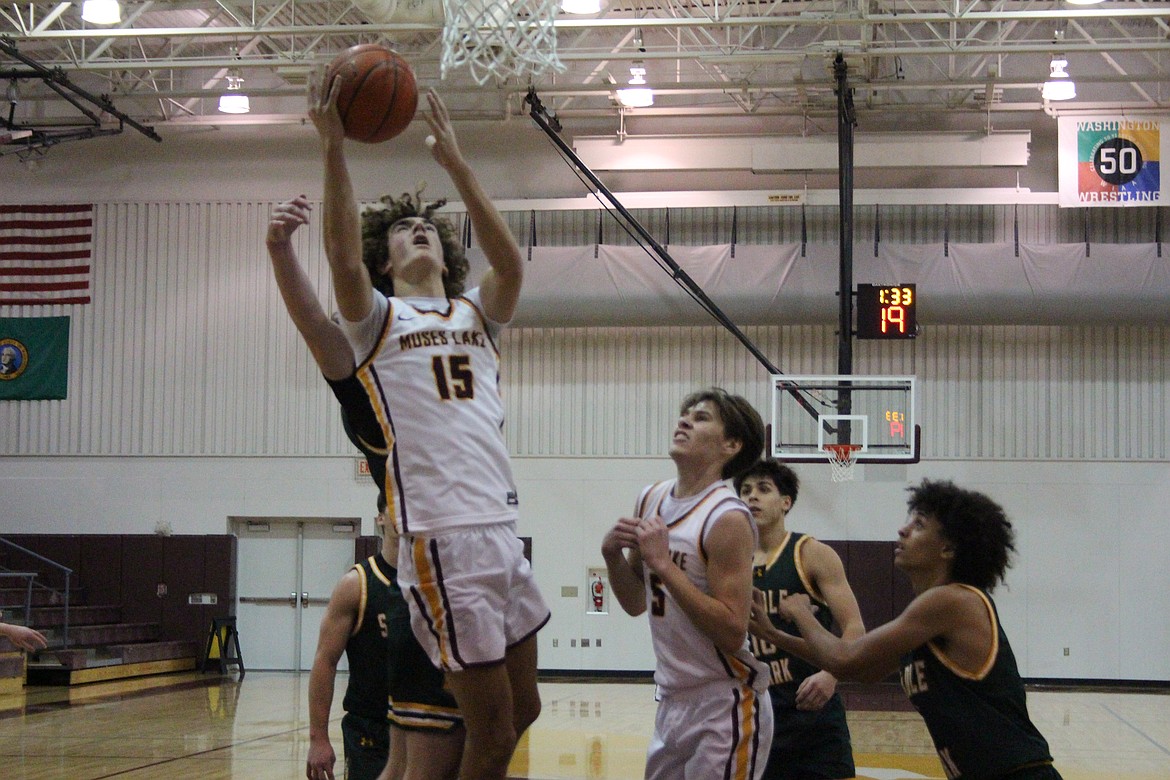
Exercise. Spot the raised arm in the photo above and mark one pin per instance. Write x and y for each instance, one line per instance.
(722, 615)
(500, 286)
(341, 221)
(336, 628)
(323, 336)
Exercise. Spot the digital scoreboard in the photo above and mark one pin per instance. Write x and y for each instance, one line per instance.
(887, 311)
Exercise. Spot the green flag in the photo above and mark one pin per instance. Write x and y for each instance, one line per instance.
(34, 358)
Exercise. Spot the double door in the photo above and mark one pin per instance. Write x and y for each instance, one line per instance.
(286, 570)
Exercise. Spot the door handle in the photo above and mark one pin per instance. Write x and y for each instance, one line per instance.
(292, 599)
(304, 600)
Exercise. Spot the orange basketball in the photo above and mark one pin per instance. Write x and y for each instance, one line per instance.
(378, 94)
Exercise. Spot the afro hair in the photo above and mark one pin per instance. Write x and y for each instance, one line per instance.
(977, 526)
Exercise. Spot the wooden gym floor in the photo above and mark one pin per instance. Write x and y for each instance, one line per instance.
(213, 727)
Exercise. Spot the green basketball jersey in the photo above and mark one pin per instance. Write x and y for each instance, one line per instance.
(781, 575)
(368, 691)
(979, 722)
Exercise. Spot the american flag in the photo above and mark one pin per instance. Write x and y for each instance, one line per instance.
(45, 253)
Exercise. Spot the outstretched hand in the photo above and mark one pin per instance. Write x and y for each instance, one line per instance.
(444, 149)
(323, 105)
(286, 218)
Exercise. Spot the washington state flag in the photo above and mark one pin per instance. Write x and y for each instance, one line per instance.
(34, 358)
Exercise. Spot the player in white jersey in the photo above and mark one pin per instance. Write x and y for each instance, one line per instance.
(689, 564)
(450, 464)
(427, 358)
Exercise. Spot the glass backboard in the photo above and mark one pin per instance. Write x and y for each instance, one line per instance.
(811, 414)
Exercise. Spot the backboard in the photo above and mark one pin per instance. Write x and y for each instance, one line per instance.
(810, 414)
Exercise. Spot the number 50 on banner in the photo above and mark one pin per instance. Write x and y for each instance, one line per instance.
(1111, 161)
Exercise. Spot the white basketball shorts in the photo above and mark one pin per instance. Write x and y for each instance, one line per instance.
(472, 594)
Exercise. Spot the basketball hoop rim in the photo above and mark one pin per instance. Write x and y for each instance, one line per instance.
(841, 452)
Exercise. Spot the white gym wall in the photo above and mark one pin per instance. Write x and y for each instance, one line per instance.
(192, 399)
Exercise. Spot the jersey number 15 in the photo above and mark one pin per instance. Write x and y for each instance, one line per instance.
(453, 377)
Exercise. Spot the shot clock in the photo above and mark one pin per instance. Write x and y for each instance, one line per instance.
(887, 311)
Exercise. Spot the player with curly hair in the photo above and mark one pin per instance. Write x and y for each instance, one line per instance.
(952, 653)
(376, 224)
(365, 616)
(428, 359)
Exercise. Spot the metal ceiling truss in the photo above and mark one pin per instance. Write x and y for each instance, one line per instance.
(167, 62)
(33, 139)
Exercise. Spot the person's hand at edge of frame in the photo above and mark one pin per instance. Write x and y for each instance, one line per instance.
(25, 638)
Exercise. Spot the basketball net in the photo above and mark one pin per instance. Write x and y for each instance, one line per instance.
(500, 38)
(841, 460)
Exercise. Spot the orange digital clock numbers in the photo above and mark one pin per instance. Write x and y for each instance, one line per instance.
(886, 312)
(893, 318)
(896, 296)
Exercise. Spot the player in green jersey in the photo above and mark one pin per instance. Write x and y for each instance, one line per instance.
(952, 653)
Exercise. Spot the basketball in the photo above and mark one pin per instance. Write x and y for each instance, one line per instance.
(378, 95)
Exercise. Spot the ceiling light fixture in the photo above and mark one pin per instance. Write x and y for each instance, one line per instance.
(638, 94)
(1060, 85)
(1083, 2)
(101, 11)
(581, 6)
(233, 101)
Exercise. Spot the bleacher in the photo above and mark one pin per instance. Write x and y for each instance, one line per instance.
(106, 604)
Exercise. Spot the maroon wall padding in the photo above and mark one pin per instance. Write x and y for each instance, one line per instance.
(61, 548)
(219, 574)
(142, 571)
(101, 569)
(365, 546)
(903, 591)
(842, 550)
(196, 564)
(882, 591)
(126, 570)
(183, 566)
(871, 573)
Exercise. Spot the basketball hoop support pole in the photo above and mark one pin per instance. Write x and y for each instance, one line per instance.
(551, 127)
(846, 121)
